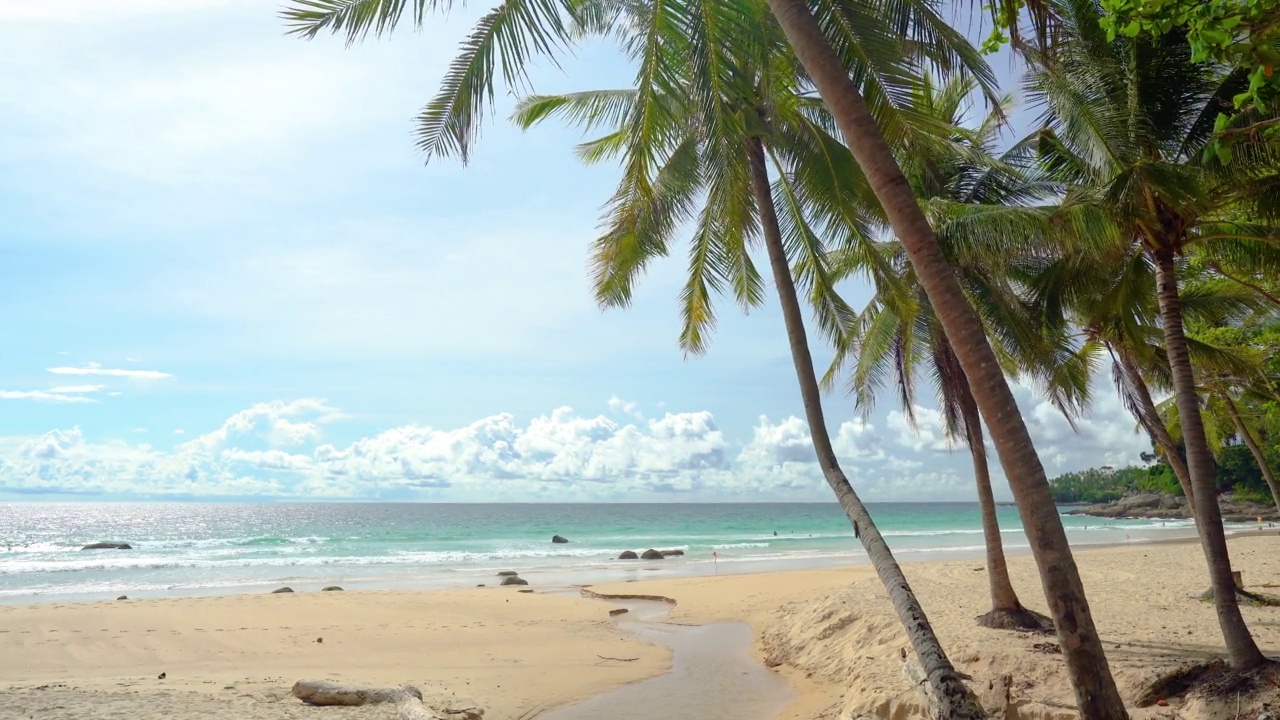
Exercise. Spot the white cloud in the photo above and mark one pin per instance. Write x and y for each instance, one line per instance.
(625, 407)
(96, 370)
(77, 389)
(928, 433)
(43, 396)
(280, 449)
(273, 424)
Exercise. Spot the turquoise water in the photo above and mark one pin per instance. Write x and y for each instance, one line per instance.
(190, 548)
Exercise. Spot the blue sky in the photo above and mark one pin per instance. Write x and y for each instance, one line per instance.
(227, 273)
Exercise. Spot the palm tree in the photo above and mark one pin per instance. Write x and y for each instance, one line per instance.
(1128, 122)
(1231, 374)
(1109, 294)
(1096, 693)
(714, 141)
(507, 37)
(977, 203)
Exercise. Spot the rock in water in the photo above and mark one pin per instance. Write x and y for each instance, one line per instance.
(331, 588)
(285, 589)
(514, 580)
(651, 554)
(123, 597)
(107, 546)
(508, 573)
(559, 540)
(672, 553)
(628, 555)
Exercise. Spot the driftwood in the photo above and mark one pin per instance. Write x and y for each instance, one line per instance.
(407, 699)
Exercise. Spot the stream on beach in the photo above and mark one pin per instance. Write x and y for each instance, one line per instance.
(712, 677)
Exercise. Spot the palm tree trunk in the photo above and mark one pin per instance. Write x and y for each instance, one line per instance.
(1150, 420)
(1096, 695)
(955, 700)
(1003, 596)
(1258, 455)
(1241, 648)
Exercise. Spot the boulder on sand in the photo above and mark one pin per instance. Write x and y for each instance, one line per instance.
(672, 553)
(650, 554)
(331, 588)
(285, 589)
(507, 573)
(628, 555)
(514, 580)
(559, 540)
(107, 546)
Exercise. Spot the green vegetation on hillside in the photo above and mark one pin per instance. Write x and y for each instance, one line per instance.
(1099, 485)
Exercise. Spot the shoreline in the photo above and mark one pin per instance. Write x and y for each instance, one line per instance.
(610, 572)
(830, 632)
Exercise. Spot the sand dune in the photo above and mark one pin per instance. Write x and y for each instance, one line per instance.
(832, 631)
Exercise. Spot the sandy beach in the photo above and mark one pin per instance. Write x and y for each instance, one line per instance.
(830, 633)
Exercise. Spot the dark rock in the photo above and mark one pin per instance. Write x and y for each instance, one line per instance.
(331, 588)
(161, 676)
(514, 580)
(524, 591)
(628, 555)
(285, 589)
(107, 546)
(480, 585)
(559, 540)
(618, 611)
(508, 573)
(650, 554)
(319, 640)
(123, 597)
(672, 553)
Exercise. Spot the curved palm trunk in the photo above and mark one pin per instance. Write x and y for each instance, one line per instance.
(1250, 441)
(1241, 648)
(1003, 596)
(955, 700)
(1096, 695)
(1151, 422)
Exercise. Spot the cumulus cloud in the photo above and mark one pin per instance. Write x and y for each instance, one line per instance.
(95, 369)
(624, 407)
(283, 449)
(929, 432)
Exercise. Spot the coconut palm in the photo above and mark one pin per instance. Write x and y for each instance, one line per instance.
(978, 204)
(1232, 383)
(756, 155)
(1108, 293)
(830, 50)
(1127, 126)
(1087, 668)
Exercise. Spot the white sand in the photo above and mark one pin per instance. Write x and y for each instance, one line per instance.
(833, 630)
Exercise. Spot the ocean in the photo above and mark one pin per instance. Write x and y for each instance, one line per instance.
(211, 548)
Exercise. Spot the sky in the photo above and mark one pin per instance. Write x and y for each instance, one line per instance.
(228, 274)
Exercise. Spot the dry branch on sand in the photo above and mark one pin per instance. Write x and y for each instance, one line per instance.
(408, 700)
